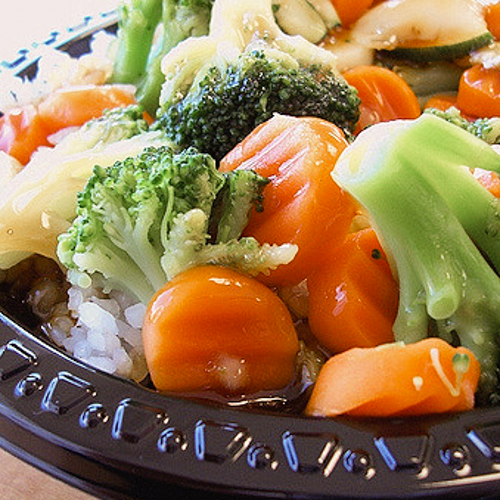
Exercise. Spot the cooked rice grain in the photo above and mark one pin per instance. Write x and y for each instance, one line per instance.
(101, 330)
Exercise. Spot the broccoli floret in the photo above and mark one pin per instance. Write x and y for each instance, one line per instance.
(242, 192)
(187, 247)
(487, 129)
(116, 124)
(232, 99)
(49, 182)
(220, 87)
(440, 227)
(148, 29)
(144, 219)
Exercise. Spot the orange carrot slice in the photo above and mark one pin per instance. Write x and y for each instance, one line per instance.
(350, 11)
(302, 204)
(427, 377)
(384, 95)
(490, 180)
(74, 106)
(353, 298)
(22, 131)
(492, 18)
(442, 102)
(479, 92)
(211, 328)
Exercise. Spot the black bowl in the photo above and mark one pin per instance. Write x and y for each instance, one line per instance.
(117, 439)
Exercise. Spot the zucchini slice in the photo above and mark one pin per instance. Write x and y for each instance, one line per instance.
(424, 30)
(299, 17)
(348, 52)
(327, 11)
(441, 77)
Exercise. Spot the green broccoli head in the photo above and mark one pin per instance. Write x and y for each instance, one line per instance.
(219, 87)
(440, 228)
(146, 218)
(126, 210)
(487, 129)
(232, 99)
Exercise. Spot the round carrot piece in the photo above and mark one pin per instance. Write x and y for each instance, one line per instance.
(479, 92)
(384, 95)
(211, 328)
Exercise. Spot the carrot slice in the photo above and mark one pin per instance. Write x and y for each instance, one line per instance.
(349, 11)
(302, 204)
(384, 95)
(353, 298)
(492, 18)
(442, 102)
(74, 106)
(22, 131)
(479, 92)
(211, 328)
(427, 377)
(490, 180)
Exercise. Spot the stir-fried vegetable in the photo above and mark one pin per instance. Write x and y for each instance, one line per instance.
(220, 87)
(211, 328)
(492, 18)
(349, 11)
(384, 95)
(429, 376)
(149, 215)
(479, 91)
(264, 161)
(431, 228)
(353, 297)
(297, 155)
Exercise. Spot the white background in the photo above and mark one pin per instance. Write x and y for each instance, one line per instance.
(23, 22)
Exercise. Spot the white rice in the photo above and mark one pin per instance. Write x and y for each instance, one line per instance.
(101, 330)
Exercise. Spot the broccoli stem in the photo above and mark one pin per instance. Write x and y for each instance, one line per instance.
(148, 93)
(475, 207)
(428, 210)
(180, 20)
(138, 20)
(111, 264)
